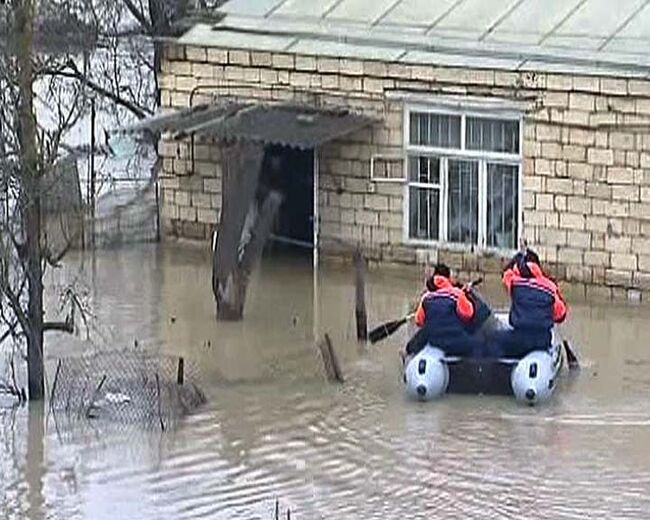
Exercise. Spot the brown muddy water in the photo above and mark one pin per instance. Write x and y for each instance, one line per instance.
(272, 429)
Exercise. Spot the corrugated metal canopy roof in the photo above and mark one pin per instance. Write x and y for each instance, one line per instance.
(586, 36)
(284, 124)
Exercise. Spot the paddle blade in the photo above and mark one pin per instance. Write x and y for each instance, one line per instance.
(386, 329)
(572, 359)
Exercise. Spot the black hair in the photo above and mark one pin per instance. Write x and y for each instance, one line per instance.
(438, 270)
(531, 256)
(442, 270)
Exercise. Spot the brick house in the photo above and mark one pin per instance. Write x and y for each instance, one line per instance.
(472, 123)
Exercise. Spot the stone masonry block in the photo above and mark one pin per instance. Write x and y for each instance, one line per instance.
(207, 216)
(261, 59)
(553, 237)
(391, 220)
(188, 213)
(548, 133)
(583, 102)
(542, 166)
(201, 200)
(367, 218)
(600, 156)
(618, 277)
(641, 245)
(305, 63)
(572, 221)
(622, 140)
(218, 56)
(283, 61)
(212, 185)
(586, 83)
(544, 202)
(618, 175)
(376, 202)
(618, 244)
(552, 151)
(639, 87)
(597, 258)
(626, 192)
(579, 239)
(644, 263)
(351, 67)
(328, 65)
(613, 86)
(624, 261)
(569, 255)
(579, 205)
(198, 54)
(559, 186)
(559, 82)
(579, 170)
(556, 99)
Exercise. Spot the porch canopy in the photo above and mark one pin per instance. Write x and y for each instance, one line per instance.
(287, 124)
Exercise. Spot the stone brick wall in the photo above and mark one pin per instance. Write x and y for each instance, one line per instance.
(586, 182)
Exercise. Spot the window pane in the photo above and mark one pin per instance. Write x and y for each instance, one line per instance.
(492, 135)
(423, 209)
(462, 215)
(424, 169)
(502, 205)
(439, 130)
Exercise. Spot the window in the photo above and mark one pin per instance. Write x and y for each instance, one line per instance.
(463, 178)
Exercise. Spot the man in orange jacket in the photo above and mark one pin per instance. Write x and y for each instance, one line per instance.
(536, 305)
(443, 315)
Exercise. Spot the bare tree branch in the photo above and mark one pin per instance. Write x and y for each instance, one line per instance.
(61, 326)
(140, 112)
(140, 17)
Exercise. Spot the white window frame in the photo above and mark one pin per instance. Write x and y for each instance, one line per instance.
(483, 157)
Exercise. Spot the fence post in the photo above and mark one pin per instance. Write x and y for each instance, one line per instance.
(180, 375)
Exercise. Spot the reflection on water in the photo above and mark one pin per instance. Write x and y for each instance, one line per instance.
(273, 429)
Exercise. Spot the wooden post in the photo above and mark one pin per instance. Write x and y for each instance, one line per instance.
(360, 289)
(330, 361)
(162, 423)
(180, 375)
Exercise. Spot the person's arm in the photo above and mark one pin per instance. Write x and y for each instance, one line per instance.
(420, 315)
(508, 277)
(559, 307)
(464, 307)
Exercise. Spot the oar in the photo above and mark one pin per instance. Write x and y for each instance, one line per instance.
(571, 358)
(386, 329)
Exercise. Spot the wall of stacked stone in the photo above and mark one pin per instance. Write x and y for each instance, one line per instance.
(586, 147)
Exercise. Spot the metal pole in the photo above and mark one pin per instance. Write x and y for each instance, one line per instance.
(92, 171)
(315, 226)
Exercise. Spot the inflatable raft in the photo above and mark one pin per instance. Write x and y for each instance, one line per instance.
(430, 374)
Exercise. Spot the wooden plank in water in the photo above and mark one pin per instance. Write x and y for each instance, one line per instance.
(330, 360)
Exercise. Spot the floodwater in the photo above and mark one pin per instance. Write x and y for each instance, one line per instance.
(273, 429)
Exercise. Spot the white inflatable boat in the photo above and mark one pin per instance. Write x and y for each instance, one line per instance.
(430, 374)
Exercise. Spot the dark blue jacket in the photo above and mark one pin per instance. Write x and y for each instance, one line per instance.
(536, 300)
(444, 313)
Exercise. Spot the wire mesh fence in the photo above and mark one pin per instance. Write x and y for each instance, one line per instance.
(123, 389)
(127, 213)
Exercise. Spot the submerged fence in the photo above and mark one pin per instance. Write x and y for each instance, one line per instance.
(118, 389)
(127, 213)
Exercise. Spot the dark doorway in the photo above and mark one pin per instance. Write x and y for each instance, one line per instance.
(291, 172)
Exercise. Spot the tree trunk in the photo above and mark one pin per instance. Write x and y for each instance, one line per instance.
(241, 170)
(243, 230)
(30, 196)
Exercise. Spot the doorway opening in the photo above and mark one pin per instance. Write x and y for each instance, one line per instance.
(291, 172)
